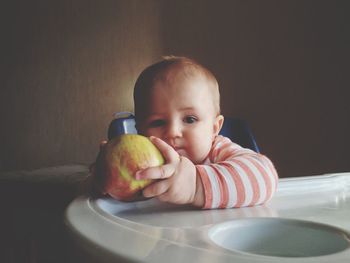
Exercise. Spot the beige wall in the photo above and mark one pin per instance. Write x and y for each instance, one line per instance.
(281, 65)
(69, 66)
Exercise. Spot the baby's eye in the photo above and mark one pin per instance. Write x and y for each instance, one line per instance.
(190, 119)
(156, 123)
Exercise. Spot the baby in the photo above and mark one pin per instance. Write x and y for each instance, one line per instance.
(177, 105)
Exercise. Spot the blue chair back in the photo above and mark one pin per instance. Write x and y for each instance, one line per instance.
(239, 132)
(235, 129)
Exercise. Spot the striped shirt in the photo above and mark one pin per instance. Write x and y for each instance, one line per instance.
(233, 176)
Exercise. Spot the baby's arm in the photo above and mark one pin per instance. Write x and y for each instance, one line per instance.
(236, 177)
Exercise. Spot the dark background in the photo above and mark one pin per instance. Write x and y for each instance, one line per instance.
(67, 66)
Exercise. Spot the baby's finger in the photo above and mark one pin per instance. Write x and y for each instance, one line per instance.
(156, 189)
(157, 172)
(168, 152)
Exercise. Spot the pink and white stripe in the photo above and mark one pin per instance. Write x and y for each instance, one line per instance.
(236, 177)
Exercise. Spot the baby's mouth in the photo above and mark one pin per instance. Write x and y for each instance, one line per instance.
(180, 151)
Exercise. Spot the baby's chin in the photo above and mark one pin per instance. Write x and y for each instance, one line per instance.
(182, 152)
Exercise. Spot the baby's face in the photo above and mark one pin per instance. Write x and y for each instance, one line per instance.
(182, 113)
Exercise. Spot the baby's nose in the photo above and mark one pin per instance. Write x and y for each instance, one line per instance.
(174, 130)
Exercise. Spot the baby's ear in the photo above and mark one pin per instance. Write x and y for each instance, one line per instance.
(219, 121)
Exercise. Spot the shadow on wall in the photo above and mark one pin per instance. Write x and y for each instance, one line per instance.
(282, 66)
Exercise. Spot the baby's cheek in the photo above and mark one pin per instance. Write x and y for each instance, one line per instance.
(200, 151)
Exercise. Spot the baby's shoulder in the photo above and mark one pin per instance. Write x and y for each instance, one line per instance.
(221, 141)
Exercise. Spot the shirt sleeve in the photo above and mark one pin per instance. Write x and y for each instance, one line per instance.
(236, 176)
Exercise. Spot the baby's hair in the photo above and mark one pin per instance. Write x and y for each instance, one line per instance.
(158, 72)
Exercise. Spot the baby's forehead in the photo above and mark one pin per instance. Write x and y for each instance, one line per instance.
(180, 91)
(180, 77)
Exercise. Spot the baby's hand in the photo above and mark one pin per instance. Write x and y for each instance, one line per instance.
(177, 177)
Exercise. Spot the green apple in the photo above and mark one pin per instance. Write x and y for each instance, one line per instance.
(120, 159)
